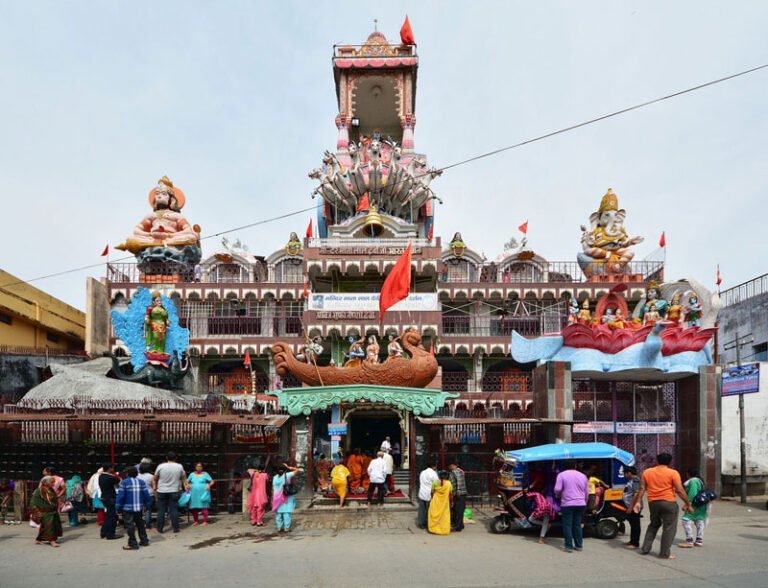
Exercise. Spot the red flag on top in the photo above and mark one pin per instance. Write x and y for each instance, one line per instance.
(105, 252)
(431, 232)
(309, 229)
(397, 285)
(663, 239)
(247, 360)
(719, 279)
(524, 228)
(406, 33)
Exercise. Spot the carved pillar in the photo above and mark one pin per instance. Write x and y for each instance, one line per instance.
(342, 123)
(477, 370)
(408, 122)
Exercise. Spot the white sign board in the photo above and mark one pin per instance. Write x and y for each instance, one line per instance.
(366, 301)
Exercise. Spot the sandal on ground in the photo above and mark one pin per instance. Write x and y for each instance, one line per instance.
(686, 545)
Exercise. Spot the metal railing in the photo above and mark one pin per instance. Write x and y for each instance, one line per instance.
(239, 326)
(745, 291)
(507, 382)
(528, 272)
(526, 325)
(167, 273)
(352, 51)
(357, 243)
(50, 351)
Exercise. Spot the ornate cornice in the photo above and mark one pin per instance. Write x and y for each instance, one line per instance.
(419, 401)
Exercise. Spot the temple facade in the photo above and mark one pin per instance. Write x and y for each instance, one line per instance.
(527, 350)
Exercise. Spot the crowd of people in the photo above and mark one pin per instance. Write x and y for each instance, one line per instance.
(128, 496)
(359, 473)
(577, 494)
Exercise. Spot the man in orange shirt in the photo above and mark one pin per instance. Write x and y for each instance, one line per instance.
(661, 483)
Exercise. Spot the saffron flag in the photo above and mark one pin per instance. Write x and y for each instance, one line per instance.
(663, 240)
(719, 279)
(309, 229)
(397, 285)
(105, 252)
(247, 360)
(406, 33)
(524, 228)
(364, 204)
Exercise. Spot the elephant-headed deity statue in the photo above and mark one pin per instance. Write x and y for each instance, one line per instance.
(606, 246)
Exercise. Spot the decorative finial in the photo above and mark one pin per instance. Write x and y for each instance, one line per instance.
(376, 25)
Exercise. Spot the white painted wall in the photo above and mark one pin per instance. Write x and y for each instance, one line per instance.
(756, 420)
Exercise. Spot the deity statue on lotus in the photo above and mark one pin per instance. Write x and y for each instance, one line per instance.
(606, 245)
(165, 235)
(156, 326)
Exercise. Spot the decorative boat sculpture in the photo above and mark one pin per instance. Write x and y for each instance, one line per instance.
(416, 372)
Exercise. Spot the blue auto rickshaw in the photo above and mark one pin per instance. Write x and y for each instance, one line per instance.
(537, 467)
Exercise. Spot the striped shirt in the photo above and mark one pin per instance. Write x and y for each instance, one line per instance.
(458, 481)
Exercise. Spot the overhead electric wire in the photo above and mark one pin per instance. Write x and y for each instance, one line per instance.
(451, 166)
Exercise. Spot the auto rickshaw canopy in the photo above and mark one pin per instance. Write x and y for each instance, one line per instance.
(559, 451)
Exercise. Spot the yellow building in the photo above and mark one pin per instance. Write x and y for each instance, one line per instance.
(31, 320)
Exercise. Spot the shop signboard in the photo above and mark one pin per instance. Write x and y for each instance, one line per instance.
(337, 429)
(742, 379)
(626, 428)
(369, 301)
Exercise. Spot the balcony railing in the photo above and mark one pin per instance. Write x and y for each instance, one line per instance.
(232, 326)
(516, 382)
(552, 272)
(167, 273)
(745, 291)
(49, 351)
(526, 325)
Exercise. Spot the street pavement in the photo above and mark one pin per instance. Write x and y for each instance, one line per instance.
(383, 548)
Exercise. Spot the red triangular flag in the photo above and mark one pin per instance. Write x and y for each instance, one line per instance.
(397, 285)
(105, 252)
(719, 279)
(363, 204)
(247, 360)
(432, 347)
(663, 240)
(524, 228)
(431, 231)
(306, 289)
(406, 33)
(309, 229)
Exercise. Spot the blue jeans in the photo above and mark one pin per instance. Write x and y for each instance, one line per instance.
(168, 501)
(572, 531)
(283, 520)
(148, 512)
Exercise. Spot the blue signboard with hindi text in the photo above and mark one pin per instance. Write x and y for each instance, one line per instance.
(742, 379)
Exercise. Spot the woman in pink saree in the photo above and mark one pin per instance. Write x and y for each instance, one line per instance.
(257, 497)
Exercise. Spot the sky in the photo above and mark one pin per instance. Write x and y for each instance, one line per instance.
(235, 102)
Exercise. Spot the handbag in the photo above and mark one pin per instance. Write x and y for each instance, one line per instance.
(66, 506)
(185, 498)
(289, 488)
(703, 496)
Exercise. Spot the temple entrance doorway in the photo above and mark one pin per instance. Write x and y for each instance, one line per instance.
(368, 428)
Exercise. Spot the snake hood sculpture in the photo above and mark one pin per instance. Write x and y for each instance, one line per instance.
(416, 372)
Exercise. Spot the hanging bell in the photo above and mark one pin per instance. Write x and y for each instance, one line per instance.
(373, 226)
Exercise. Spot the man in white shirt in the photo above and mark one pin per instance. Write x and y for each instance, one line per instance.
(168, 481)
(426, 478)
(386, 445)
(389, 484)
(377, 474)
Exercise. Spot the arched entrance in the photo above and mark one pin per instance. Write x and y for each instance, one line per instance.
(367, 427)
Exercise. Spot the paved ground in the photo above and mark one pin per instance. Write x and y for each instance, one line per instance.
(381, 549)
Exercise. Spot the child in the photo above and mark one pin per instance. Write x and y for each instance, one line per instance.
(698, 518)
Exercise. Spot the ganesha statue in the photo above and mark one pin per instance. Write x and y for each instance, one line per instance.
(606, 245)
(164, 235)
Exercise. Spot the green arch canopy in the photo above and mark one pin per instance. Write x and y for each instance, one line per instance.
(419, 401)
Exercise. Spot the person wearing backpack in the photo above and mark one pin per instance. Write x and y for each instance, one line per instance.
(697, 519)
(283, 496)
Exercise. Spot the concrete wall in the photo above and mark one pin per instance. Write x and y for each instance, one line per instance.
(756, 417)
(28, 306)
(744, 318)
(97, 317)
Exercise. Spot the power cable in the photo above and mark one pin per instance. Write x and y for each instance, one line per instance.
(451, 166)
